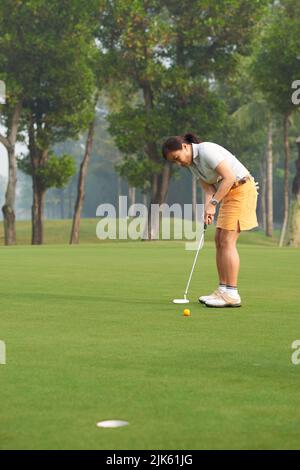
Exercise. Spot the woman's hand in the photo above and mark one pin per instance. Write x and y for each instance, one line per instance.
(209, 213)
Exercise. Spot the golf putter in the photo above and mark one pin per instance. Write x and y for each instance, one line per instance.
(185, 300)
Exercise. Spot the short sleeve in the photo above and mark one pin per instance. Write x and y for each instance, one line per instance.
(212, 156)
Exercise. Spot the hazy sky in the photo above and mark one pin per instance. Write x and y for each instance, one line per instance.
(3, 161)
(3, 157)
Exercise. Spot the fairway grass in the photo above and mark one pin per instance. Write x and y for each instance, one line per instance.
(58, 232)
(91, 334)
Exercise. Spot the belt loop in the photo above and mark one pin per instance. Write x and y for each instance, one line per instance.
(241, 181)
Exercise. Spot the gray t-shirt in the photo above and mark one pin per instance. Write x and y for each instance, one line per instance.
(207, 156)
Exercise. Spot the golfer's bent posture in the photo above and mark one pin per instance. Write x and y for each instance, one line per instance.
(227, 181)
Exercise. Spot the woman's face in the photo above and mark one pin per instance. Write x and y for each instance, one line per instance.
(182, 157)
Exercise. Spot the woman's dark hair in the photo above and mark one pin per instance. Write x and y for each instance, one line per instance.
(175, 143)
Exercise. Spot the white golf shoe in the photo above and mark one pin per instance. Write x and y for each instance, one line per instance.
(223, 300)
(212, 296)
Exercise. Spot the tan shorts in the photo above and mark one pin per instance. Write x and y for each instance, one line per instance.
(239, 206)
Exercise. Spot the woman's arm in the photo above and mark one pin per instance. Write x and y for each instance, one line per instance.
(209, 191)
(228, 178)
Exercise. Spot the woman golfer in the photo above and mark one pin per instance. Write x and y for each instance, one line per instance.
(226, 181)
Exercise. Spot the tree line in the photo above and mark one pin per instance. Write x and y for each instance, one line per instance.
(222, 68)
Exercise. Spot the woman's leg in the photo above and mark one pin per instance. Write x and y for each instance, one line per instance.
(221, 272)
(228, 260)
(228, 263)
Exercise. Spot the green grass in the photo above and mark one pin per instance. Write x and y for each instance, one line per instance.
(58, 232)
(91, 334)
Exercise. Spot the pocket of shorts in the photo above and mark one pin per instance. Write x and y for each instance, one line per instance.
(252, 198)
(238, 194)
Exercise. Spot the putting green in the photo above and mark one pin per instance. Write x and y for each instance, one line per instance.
(91, 335)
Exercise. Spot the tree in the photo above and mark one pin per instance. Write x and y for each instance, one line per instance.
(9, 142)
(60, 103)
(167, 61)
(2, 186)
(275, 73)
(11, 111)
(137, 171)
(49, 62)
(55, 173)
(255, 123)
(74, 238)
(294, 235)
(252, 134)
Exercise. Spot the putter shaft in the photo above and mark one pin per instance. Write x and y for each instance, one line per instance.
(194, 263)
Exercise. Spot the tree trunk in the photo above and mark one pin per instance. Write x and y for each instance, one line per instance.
(269, 183)
(37, 213)
(119, 187)
(145, 199)
(263, 179)
(286, 179)
(160, 181)
(164, 182)
(74, 238)
(159, 191)
(70, 199)
(131, 195)
(10, 195)
(62, 203)
(294, 235)
(38, 158)
(152, 229)
(8, 208)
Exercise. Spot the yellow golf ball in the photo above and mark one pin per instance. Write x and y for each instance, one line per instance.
(186, 312)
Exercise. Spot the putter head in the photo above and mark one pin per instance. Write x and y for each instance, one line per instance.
(181, 301)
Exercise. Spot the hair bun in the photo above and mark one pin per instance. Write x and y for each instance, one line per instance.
(191, 139)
